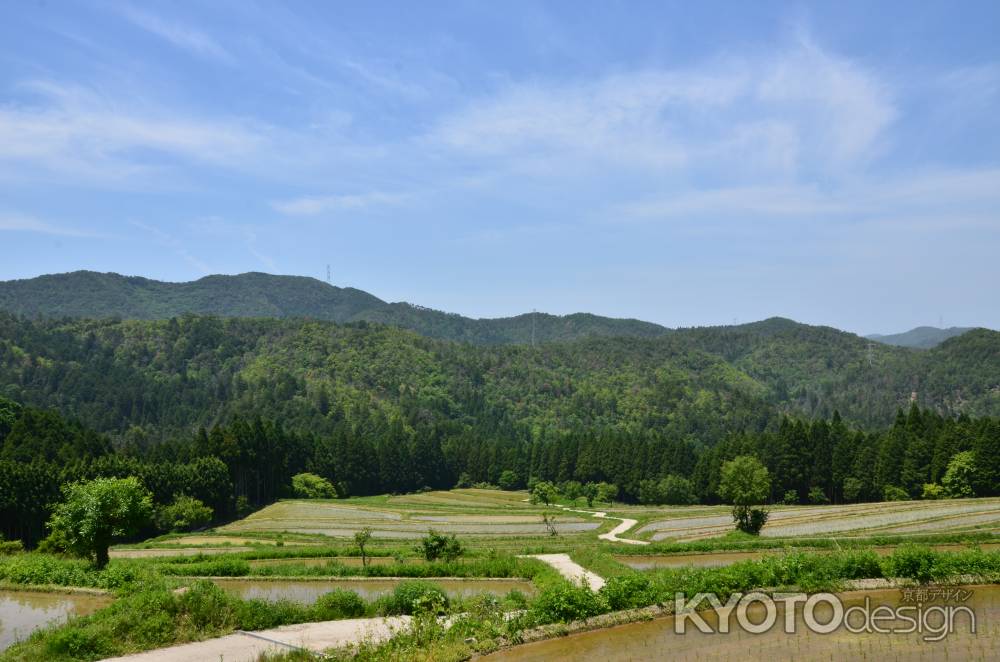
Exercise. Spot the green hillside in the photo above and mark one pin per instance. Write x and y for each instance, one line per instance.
(96, 295)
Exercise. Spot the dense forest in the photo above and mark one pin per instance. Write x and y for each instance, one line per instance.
(101, 295)
(227, 410)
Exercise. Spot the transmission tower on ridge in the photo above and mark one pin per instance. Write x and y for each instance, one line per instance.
(328, 274)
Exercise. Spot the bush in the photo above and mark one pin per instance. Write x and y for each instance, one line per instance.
(912, 562)
(791, 498)
(508, 480)
(184, 514)
(932, 491)
(564, 603)
(893, 493)
(628, 591)
(311, 486)
(409, 596)
(817, 496)
(339, 604)
(11, 547)
(439, 546)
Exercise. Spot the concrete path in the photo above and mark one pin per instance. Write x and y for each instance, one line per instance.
(249, 646)
(570, 569)
(613, 534)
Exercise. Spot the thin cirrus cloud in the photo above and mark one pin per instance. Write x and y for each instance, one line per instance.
(177, 34)
(797, 111)
(72, 129)
(323, 204)
(21, 223)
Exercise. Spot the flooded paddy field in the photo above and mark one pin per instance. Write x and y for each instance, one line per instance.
(23, 612)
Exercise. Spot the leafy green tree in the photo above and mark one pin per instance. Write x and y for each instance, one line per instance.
(852, 489)
(746, 483)
(606, 492)
(508, 480)
(97, 512)
(817, 496)
(960, 476)
(590, 493)
(543, 492)
(790, 498)
(184, 514)
(311, 486)
(361, 539)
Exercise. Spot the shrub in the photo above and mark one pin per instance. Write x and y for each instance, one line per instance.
(791, 498)
(628, 591)
(564, 602)
(508, 480)
(311, 486)
(339, 604)
(409, 596)
(932, 491)
(912, 562)
(817, 496)
(960, 475)
(893, 493)
(439, 546)
(184, 514)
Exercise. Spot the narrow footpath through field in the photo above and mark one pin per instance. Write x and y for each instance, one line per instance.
(613, 534)
(570, 569)
(249, 646)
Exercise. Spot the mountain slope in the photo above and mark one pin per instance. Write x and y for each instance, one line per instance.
(97, 295)
(922, 337)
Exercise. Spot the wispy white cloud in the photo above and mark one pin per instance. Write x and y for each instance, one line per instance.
(178, 247)
(20, 223)
(74, 130)
(321, 204)
(799, 110)
(179, 35)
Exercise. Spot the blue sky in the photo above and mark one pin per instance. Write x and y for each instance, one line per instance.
(685, 163)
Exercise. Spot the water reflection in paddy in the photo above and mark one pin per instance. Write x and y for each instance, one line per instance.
(656, 639)
(23, 612)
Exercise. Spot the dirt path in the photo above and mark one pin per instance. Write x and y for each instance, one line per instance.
(570, 569)
(249, 646)
(613, 534)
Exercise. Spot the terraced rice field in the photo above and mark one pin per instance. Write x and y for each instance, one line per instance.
(469, 514)
(900, 517)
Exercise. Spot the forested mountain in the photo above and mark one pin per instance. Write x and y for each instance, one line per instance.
(101, 295)
(922, 337)
(152, 378)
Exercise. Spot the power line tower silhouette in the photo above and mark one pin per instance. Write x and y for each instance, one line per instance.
(328, 274)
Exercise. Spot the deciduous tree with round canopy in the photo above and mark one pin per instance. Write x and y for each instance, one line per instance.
(97, 512)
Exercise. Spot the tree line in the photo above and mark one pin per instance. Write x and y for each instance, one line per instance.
(248, 462)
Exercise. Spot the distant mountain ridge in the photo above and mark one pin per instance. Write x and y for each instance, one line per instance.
(89, 294)
(922, 337)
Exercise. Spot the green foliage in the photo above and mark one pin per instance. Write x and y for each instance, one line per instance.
(894, 493)
(791, 498)
(852, 489)
(628, 592)
(410, 596)
(184, 514)
(817, 496)
(564, 602)
(745, 481)
(959, 478)
(508, 480)
(339, 604)
(311, 486)
(607, 492)
(544, 492)
(932, 491)
(97, 512)
(439, 546)
(673, 490)
(361, 539)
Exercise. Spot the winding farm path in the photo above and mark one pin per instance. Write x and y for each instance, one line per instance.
(613, 534)
(570, 569)
(250, 646)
